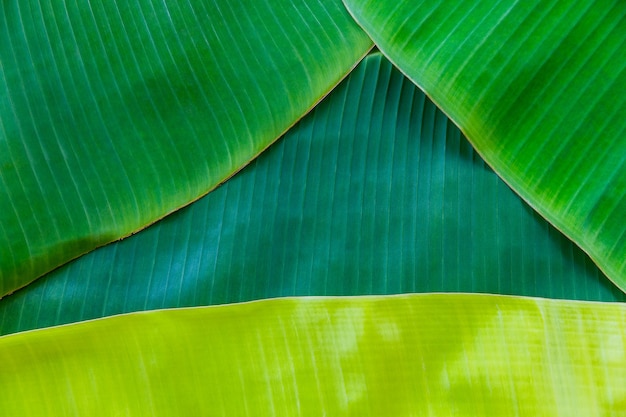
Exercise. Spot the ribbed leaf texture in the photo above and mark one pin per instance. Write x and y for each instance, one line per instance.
(374, 192)
(539, 88)
(114, 114)
(425, 355)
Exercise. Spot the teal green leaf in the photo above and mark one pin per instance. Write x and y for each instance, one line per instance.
(374, 192)
(425, 355)
(539, 88)
(114, 114)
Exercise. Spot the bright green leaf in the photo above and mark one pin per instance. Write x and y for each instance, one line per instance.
(422, 355)
(113, 114)
(539, 87)
(374, 192)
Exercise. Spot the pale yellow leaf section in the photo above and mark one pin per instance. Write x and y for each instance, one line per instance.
(409, 355)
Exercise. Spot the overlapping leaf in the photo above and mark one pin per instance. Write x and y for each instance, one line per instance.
(374, 192)
(426, 355)
(540, 90)
(113, 114)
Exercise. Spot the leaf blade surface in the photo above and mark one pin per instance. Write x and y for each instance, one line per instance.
(539, 89)
(412, 354)
(116, 114)
(374, 192)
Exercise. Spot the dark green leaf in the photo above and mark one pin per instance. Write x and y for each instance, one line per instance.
(374, 192)
(114, 114)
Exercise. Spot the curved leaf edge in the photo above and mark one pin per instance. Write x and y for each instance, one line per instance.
(219, 183)
(519, 191)
(324, 298)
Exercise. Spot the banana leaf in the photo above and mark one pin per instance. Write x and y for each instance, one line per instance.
(374, 192)
(426, 355)
(539, 88)
(116, 114)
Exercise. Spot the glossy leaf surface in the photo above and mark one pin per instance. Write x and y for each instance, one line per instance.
(374, 192)
(426, 355)
(539, 87)
(114, 114)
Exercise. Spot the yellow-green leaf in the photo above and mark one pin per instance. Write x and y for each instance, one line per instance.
(413, 355)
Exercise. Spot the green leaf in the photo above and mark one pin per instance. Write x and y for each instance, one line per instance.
(114, 114)
(374, 192)
(539, 87)
(427, 355)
